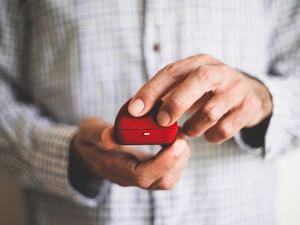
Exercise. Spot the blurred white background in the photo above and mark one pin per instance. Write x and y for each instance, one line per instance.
(288, 197)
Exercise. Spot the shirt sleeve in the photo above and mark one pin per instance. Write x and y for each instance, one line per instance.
(283, 82)
(33, 148)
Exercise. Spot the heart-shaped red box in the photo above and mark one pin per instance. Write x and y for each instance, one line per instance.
(144, 130)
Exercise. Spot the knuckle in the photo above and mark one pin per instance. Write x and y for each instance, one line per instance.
(176, 101)
(142, 182)
(166, 185)
(203, 71)
(172, 70)
(203, 74)
(211, 137)
(150, 90)
(175, 105)
(210, 114)
(239, 82)
(225, 130)
(224, 67)
(194, 59)
(205, 57)
(168, 164)
(191, 131)
(250, 102)
(239, 86)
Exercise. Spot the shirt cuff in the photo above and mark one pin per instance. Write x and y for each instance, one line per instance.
(51, 162)
(279, 133)
(257, 151)
(253, 139)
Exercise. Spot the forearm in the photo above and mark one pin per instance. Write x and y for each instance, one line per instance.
(36, 148)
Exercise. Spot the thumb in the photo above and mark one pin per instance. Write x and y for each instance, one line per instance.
(163, 161)
(98, 132)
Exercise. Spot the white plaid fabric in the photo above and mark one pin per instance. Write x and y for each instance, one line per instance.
(64, 60)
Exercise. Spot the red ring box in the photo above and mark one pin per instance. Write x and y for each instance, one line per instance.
(144, 130)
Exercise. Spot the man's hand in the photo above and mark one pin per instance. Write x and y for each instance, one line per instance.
(96, 155)
(222, 100)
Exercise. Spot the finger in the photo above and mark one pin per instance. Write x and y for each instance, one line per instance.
(90, 130)
(228, 126)
(201, 80)
(156, 87)
(173, 176)
(200, 103)
(108, 139)
(150, 170)
(180, 135)
(117, 165)
(219, 104)
(98, 132)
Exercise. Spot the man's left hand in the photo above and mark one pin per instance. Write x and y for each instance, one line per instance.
(221, 99)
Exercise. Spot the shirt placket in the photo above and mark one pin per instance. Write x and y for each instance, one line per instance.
(152, 49)
(151, 37)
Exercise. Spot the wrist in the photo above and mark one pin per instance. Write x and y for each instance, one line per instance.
(80, 176)
(264, 98)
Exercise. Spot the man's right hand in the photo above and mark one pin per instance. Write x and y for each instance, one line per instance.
(94, 156)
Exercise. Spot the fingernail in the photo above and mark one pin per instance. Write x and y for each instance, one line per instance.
(163, 118)
(136, 106)
(179, 147)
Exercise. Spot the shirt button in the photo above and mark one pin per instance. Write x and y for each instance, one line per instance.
(156, 47)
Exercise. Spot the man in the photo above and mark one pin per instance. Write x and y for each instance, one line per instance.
(228, 70)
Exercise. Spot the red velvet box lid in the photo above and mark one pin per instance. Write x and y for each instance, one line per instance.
(148, 121)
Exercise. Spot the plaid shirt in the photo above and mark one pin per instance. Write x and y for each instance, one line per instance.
(64, 60)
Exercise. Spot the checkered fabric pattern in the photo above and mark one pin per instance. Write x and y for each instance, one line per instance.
(64, 60)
